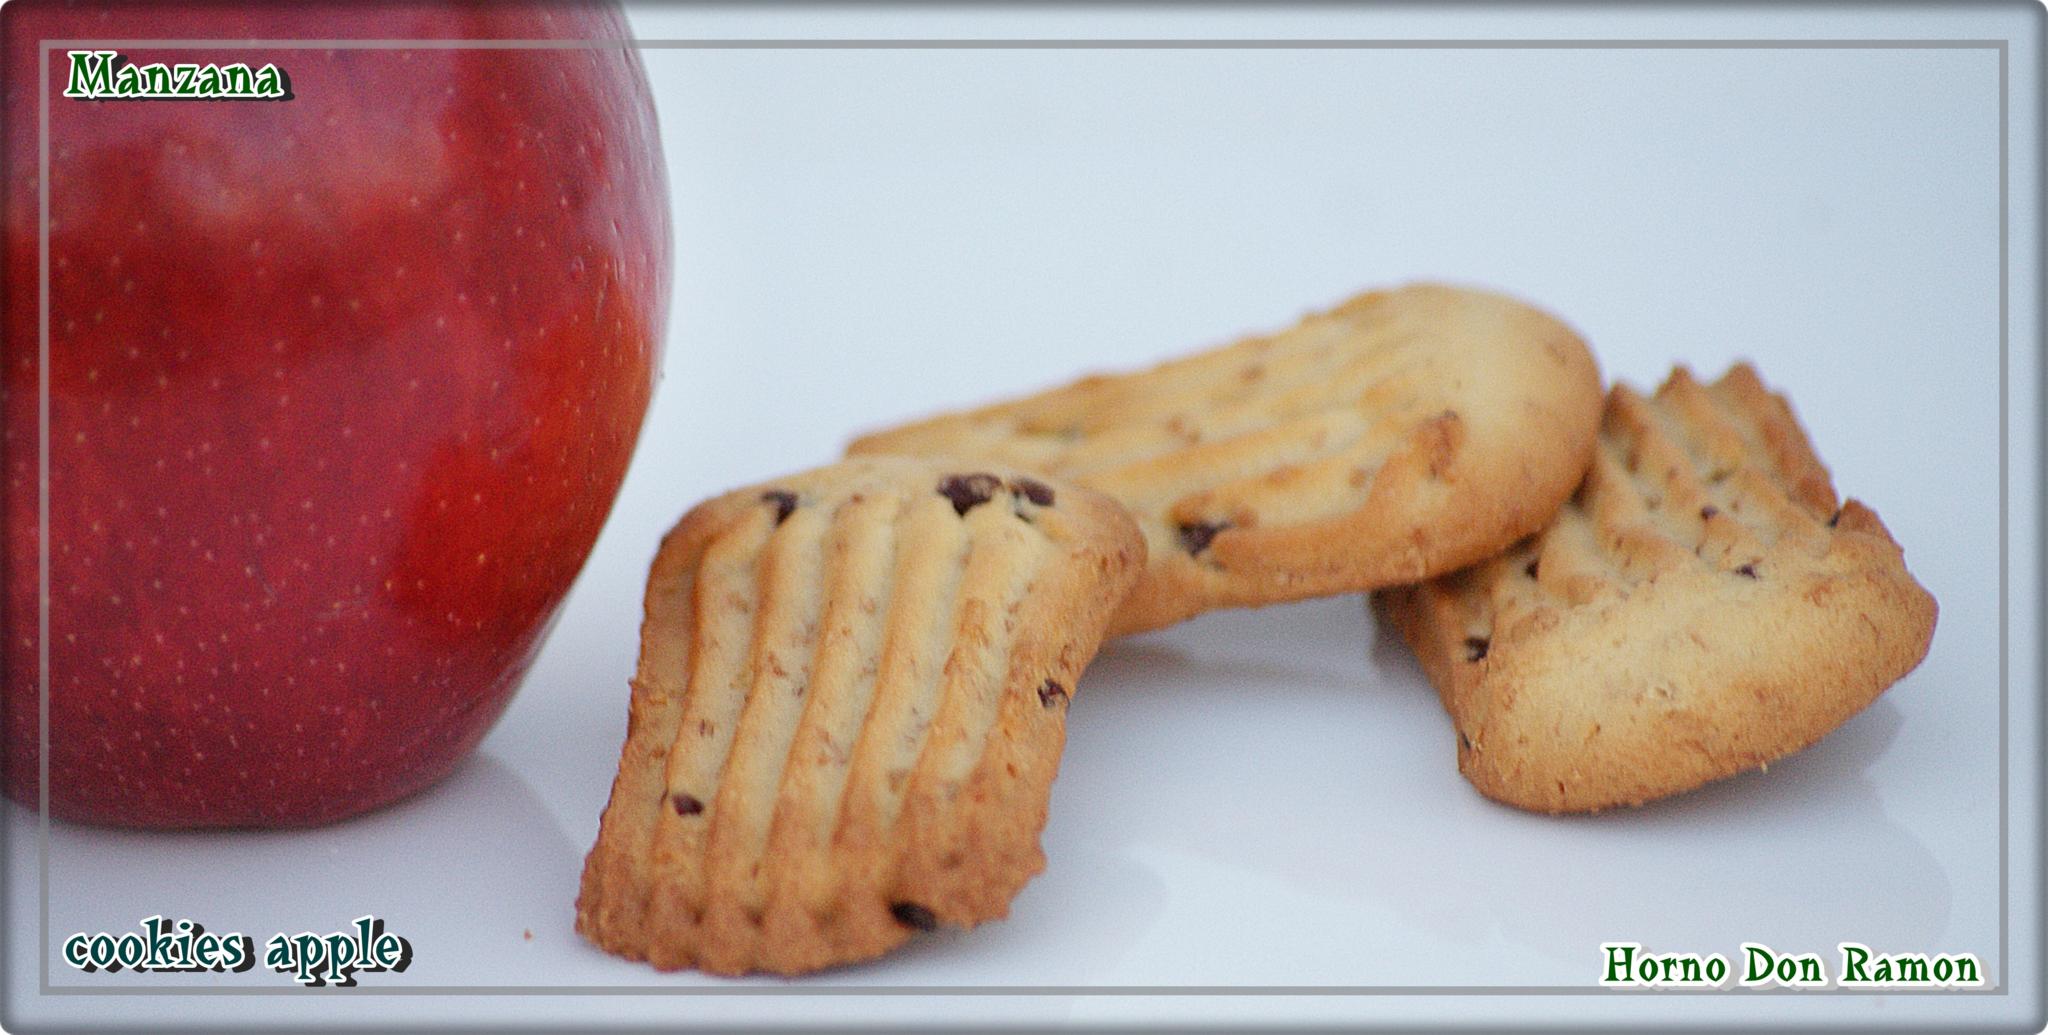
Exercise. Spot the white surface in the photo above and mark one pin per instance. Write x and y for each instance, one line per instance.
(1270, 797)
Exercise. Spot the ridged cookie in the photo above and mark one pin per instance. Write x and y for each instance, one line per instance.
(850, 704)
(1404, 434)
(1700, 608)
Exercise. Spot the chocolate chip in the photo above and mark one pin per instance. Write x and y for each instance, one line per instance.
(1534, 563)
(1034, 490)
(1464, 741)
(785, 503)
(1195, 536)
(1835, 520)
(968, 491)
(685, 804)
(1747, 571)
(913, 916)
(1708, 511)
(1475, 647)
(1050, 693)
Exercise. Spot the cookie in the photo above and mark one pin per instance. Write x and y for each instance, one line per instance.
(1701, 607)
(1403, 434)
(849, 707)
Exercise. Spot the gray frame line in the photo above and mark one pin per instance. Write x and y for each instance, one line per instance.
(47, 46)
(2006, 394)
(43, 512)
(1044, 44)
(971, 991)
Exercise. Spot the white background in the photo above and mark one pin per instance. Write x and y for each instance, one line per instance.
(1268, 797)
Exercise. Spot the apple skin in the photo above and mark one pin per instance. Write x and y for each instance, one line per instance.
(342, 388)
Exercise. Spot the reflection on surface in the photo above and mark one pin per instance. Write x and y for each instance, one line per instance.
(1261, 797)
(1336, 790)
(462, 871)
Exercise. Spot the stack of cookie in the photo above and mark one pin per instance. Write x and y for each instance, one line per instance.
(852, 689)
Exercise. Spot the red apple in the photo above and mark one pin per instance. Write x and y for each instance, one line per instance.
(341, 390)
